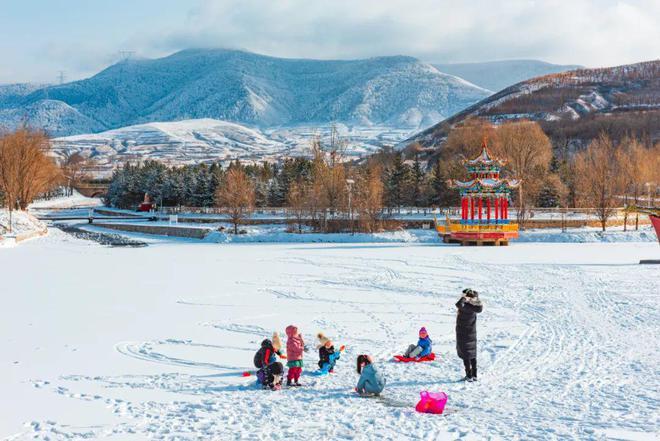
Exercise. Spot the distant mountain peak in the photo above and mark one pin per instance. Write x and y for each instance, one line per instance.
(257, 90)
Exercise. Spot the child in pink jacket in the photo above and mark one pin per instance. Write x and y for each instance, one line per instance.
(295, 346)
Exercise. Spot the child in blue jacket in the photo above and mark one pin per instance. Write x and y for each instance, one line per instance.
(423, 346)
(371, 382)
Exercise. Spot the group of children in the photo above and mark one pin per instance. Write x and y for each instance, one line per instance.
(271, 371)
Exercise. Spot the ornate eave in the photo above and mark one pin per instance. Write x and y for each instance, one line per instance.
(484, 158)
(487, 183)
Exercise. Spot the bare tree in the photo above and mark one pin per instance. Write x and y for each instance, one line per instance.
(368, 199)
(235, 196)
(328, 193)
(528, 152)
(74, 168)
(26, 171)
(297, 201)
(598, 177)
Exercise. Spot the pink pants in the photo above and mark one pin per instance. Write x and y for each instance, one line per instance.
(294, 373)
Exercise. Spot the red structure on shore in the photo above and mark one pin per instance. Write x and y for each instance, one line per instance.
(485, 200)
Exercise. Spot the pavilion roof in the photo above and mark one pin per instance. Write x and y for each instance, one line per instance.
(489, 183)
(484, 158)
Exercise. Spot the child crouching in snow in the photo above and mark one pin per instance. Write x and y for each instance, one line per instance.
(327, 354)
(422, 348)
(370, 382)
(270, 370)
(295, 346)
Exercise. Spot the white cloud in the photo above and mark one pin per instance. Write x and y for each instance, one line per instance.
(593, 33)
(587, 32)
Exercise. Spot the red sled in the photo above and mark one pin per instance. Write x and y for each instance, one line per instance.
(403, 359)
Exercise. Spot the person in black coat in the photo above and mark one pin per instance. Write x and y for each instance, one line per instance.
(468, 307)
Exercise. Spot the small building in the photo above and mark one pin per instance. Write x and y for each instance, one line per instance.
(485, 200)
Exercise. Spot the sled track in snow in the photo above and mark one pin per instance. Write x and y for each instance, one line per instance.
(559, 354)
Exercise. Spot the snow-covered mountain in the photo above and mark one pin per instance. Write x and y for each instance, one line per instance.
(496, 75)
(248, 89)
(209, 140)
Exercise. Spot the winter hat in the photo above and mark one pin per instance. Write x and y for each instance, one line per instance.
(423, 330)
(470, 293)
(323, 340)
(277, 343)
(291, 331)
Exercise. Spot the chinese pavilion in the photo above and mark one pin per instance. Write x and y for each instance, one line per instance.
(484, 204)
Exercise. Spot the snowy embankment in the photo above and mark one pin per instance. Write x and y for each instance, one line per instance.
(151, 342)
(76, 200)
(277, 234)
(24, 226)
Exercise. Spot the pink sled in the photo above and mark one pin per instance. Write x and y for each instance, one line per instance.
(431, 402)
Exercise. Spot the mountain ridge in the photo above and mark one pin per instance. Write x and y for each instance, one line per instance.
(257, 90)
(576, 104)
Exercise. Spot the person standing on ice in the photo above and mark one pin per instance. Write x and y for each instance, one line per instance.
(370, 382)
(423, 346)
(468, 307)
(295, 346)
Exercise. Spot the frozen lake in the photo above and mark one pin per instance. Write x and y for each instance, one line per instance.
(151, 342)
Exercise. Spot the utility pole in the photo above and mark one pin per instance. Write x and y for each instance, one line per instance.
(61, 77)
(349, 184)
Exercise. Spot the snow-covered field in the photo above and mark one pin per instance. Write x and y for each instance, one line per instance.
(151, 342)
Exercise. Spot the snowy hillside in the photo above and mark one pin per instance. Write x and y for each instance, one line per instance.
(251, 89)
(577, 102)
(496, 75)
(207, 140)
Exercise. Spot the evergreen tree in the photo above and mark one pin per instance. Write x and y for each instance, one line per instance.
(443, 196)
(397, 182)
(417, 198)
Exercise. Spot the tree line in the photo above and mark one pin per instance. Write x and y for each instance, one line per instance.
(610, 172)
(325, 190)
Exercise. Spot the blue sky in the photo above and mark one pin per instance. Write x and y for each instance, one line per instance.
(38, 38)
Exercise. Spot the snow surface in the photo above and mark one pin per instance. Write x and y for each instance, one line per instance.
(151, 342)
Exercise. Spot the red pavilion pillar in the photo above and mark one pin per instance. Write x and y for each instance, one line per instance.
(488, 209)
(471, 208)
(480, 206)
(497, 214)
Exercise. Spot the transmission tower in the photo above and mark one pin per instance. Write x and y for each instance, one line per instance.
(125, 55)
(61, 77)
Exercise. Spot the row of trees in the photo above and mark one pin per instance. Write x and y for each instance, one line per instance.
(26, 169)
(604, 176)
(608, 176)
(325, 189)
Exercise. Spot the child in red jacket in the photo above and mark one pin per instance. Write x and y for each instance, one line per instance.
(295, 345)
